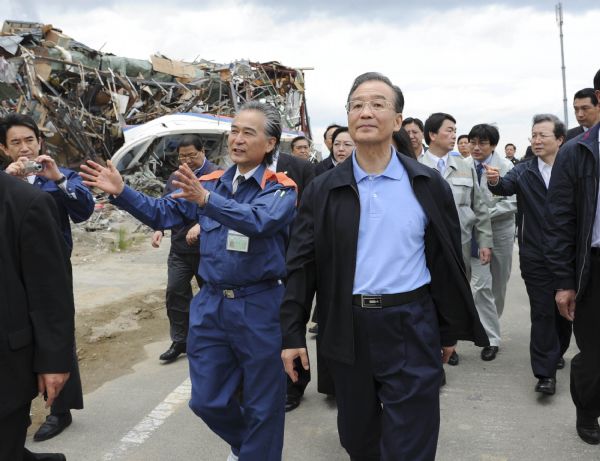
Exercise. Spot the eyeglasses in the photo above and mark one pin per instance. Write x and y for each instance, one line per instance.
(542, 136)
(479, 143)
(376, 105)
(188, 156)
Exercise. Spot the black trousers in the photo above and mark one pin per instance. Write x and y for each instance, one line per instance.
(182, 267)
(550, 331)
(585, 366)
(13, 428)
(388, 399)
(71, 396)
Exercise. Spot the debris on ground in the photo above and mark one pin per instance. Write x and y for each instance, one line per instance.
(83, 99)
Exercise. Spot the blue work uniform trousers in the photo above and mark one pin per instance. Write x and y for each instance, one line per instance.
(233, 341)
(388, 399)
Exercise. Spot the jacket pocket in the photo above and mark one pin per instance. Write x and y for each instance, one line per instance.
(20, 338)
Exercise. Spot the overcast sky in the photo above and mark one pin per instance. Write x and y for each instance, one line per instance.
(482, 62)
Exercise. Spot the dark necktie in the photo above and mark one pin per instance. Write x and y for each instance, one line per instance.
(240, 179)
(474, 246)
(479, 170)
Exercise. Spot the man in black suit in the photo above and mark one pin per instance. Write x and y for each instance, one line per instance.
(37, 327)
(328, 162)
(301, 172)
(21, 141)
(587, 111)
(382, 232)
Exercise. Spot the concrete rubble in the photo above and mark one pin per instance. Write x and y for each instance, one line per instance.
(83, 99)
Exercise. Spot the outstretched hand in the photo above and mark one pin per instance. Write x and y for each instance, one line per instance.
(191, 189)
(492, 174)
(105, 178)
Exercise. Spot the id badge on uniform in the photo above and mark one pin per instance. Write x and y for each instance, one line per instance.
(237, 241)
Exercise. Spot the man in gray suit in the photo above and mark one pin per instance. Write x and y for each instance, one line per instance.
(488, 283)
(440, 136)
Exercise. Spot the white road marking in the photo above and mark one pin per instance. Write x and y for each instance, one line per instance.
(142, 431)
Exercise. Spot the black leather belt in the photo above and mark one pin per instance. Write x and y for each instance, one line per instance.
(240, 292)
(595, 251)
(381, 301)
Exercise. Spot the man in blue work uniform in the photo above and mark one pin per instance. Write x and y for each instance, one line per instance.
(21, 141)
(234, 337)
(382, 233)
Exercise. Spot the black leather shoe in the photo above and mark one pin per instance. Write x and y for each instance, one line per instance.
(53, 426)
(453, 360)
(314, 329)
(173, 352)
(561, 364)
(588, 428)
(292, 402)
(488, 353)
(546, 386)
(29, 456)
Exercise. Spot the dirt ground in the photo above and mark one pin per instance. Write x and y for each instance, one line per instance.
(119, 286)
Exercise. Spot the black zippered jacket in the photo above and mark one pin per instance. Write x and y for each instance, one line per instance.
(527, 182)
(570, 211)
(322, 257)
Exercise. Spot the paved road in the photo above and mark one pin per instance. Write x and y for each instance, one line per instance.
(489, 412)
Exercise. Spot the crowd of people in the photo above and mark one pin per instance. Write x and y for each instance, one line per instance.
(395, 245)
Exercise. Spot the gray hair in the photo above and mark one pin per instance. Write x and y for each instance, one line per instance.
(376, 76)
(272, 124)
(560, 130)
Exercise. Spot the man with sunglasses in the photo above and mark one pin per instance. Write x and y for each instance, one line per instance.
(184, 255)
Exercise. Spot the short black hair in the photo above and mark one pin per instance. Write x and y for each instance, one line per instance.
(416, 121)
(338, 130)
(298, 139)
(191, 140)
(376, 76)
(333, 125)
(434, 122)
(17, 120)
(597, 81)
(462, 136)
(510, 144)
(402, 142)
(485, 132)
(587, 93)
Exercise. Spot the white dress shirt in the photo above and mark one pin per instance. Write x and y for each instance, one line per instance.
(545, 170)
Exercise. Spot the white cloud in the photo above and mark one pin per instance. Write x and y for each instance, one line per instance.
(482, 64)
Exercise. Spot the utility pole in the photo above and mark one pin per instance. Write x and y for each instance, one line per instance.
(559, 21)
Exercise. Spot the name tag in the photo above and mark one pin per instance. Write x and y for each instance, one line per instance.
(237, 241)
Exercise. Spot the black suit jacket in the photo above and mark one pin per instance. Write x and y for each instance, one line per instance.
(574, 132)
(322, 254)
(324, 165)
(300, 171)
(36, 294)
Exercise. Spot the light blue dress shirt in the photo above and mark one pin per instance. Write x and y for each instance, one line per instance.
(391, 246)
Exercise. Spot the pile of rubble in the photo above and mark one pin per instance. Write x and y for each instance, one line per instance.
(82, 99)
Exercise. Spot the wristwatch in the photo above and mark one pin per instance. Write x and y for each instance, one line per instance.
(62, 179)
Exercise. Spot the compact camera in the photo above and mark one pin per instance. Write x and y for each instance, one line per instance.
(32, 167)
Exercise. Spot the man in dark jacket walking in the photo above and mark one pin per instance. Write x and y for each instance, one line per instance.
(382, 233)
(550, 332)
(184, 254)
(572, 247)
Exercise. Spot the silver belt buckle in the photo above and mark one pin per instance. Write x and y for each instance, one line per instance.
(370, 301)
(229, 294)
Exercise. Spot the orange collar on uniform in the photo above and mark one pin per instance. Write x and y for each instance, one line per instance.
(280, 178)
(210, 176)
